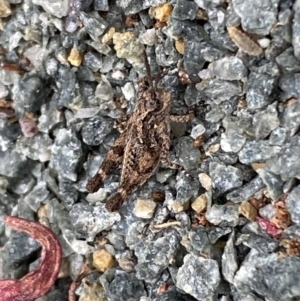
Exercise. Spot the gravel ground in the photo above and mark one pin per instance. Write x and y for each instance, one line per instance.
(229, 228)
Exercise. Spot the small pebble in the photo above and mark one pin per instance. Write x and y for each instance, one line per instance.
(102, 260)
(179, 45)
(5, 10)
(162, 12)
(148, 37)
(199, 205)
(108, 35)
(247, 210)
(129, 47)
(144, 208)
(75, 58)
(28, 126)
(244, 42)
(197, 131)
(264, 42)
(205, 181)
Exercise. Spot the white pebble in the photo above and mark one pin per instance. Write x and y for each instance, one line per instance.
(197, 131)
(144, 208)
(128, 91)
(264, 42)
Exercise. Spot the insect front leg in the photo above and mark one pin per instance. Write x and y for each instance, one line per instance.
(183, 118)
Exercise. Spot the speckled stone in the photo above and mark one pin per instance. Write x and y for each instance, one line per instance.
(198, 277)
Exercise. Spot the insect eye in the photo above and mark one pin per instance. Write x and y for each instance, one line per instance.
(152, 104)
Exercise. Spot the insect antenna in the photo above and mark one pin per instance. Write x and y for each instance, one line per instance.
(148, 70)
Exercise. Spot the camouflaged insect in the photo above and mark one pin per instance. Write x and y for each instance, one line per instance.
(142, 146)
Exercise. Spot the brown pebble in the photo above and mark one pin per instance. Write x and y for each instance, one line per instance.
(161, 12)
(75, 58)
(108, 36)
(5, 10)
(158, 196)
(244, 42)
(249, 211)
(199, 205)
(103, 260)
(179, 45)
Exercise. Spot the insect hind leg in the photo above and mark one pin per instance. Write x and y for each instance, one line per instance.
(112, 160)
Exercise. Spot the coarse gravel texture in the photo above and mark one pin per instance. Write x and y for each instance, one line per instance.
(225, 230)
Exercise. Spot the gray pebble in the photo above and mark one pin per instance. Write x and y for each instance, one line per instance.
(257, 16)
(198, 277)
(231, 68)
(259, 273)
(293, 205)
